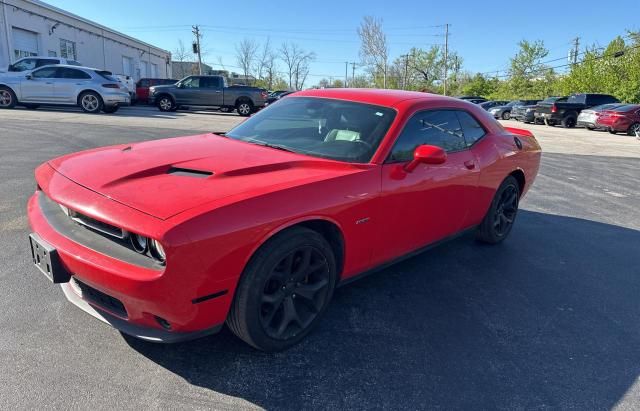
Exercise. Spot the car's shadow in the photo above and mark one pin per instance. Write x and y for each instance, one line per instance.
(548, 319)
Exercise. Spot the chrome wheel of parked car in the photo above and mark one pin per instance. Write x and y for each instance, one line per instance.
(244, 108)
(634, 130)
(284, 290)
(90, 102)
(7, 98)
(165, 103)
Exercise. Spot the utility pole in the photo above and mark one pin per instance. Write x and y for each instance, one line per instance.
(353, 72)
(406, 67)
(576, 46)
(446, 56)
(196, 32)
(346, 73)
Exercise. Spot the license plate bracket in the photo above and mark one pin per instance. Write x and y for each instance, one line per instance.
(46, 258)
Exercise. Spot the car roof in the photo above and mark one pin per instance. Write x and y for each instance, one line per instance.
(379, 97)
(71, 66)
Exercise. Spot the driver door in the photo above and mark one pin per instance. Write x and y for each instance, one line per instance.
(40, 87)
(431, 202)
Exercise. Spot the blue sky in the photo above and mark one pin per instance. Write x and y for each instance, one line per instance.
(484, 33)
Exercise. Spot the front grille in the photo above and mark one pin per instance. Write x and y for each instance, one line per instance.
(98, 298)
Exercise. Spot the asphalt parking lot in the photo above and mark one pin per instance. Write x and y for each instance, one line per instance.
(549, 319)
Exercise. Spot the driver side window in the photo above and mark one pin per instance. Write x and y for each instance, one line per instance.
(191, 82)
(24, 65)
(434, 127)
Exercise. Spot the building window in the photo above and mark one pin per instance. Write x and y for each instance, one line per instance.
(154, 70)
(52, 54)
(68, 49)
(127, 66)
(22, 53)
(25, 43)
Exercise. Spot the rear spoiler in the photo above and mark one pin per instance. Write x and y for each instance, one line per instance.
(519, 131)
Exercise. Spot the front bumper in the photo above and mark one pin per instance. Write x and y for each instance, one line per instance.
(160, 305)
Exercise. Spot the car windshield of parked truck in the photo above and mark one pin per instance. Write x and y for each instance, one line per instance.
(578, 99)
(333, 129)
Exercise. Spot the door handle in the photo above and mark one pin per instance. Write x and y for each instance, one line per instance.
(470, 164)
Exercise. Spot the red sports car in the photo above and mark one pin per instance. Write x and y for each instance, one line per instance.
(168, 240)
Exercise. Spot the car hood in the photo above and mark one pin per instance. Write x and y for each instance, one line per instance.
(163, 178)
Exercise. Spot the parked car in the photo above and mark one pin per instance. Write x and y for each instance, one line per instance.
(91, 89)
(588, 117)
(477, 100)
(493, 103)
(504, 112)
(470, 98)
(168, 240)
(143, 85)
(566, 112)
(524, 113)
(273, 97)
(622, 119)
(33, 62)
(209, 91)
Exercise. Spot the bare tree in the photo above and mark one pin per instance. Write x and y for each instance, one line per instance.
(245, 56)
(182, 55)
(297, 61)
(263, 59)
(374, 50)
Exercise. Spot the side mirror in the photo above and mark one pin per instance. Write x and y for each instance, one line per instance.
(29, 77)
(426, 154)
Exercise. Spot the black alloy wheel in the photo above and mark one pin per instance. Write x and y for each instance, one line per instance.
(500, 217)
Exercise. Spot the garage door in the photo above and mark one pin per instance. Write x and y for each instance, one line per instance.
(25, 43)
(143, 69)
(127, 66)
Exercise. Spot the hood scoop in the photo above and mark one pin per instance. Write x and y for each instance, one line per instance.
(186, 172)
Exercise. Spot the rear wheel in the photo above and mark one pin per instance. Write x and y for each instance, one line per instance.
(7, 98)
(506, 115)
(244, 108)
(497, 224)
(90, 102)
(284, 290)
(634, 129)
(569, 122)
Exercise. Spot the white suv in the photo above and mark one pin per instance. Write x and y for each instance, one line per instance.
(33, 62)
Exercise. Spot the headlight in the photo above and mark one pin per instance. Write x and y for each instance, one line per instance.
(139, 243)
(157, 251)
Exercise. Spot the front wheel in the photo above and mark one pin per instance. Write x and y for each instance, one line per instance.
(91, 102)
(284, 290)
(506, 115)
(498, 221)
(166, 103)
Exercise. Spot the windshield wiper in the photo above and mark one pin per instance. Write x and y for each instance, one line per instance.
(265, 144)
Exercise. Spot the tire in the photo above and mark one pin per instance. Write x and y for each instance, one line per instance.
(589, 128)
(244, 108)
(111, 110)
(633, 129)
(32, 106)
(506, 115)
(499, 220)
(275, 288)
(90, 102)
(612, 131)
(8, 98)
(569, 122)
(166, 103)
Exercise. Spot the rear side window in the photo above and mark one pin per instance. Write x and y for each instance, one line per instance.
(434, 127)
(106, 75)
(210, 82)
(73, 74)
(471, 128)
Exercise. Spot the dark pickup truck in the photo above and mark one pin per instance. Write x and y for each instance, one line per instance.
(566, 112)
(208, 91)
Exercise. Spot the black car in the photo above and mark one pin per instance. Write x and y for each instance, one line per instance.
(566, 112)
(504, 112)
(525, 113)
(277, 95)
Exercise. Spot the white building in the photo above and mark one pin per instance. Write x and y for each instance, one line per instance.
(31, 27)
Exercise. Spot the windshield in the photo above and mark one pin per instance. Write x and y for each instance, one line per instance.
(514, 103)
(334, 129)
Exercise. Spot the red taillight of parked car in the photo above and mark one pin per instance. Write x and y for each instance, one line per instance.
(110, 85)
(554, 108)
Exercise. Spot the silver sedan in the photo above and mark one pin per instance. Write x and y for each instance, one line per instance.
(93, 90)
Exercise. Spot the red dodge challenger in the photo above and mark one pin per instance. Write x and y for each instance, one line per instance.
(168, 240)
